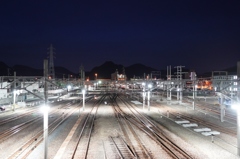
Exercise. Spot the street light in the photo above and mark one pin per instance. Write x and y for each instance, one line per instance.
(196, 86)
(95, 86)
(144, 94)
(194, 94)
(96, 76)
(133, 88)
(83, 92)
(15, 92)
(237, 108)
(68, 88)
(45, 109)
(99, 82)
(149, 89)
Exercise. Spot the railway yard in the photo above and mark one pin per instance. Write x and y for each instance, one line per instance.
(114, 125)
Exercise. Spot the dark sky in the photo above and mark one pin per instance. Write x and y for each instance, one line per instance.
(199, 34)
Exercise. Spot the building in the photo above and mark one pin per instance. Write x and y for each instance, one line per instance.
(118, 77)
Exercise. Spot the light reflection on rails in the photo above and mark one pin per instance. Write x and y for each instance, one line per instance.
(4, 135)
(32, 143)
(144, 124)
(132, 139)
(81, 148)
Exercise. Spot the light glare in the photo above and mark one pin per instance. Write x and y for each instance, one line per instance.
(44, 108)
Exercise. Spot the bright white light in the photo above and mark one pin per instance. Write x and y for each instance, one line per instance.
(149, 86)
(143, 84)
(16, 92)
(83, 91)
(44, 108)
(69, 87)
(234, 106)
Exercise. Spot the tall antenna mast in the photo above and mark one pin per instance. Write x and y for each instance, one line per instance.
(51, 54)
(82, 75)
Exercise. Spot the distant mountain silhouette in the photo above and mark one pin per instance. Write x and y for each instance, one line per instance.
(4, 69)
(22, 70)
(138, 70)
(61, 72)
(231, 70)
(106, 69)
(103, 71)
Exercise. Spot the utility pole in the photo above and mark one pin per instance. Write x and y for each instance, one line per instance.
(124, 74)
(144, 94)
(169, 78)
(193, 78)
(238, 111)
(45, 67)
(14, 92)
(82, 75)
(51, 70)
(179, 86)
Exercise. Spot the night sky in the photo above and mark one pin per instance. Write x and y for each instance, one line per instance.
(199, 34)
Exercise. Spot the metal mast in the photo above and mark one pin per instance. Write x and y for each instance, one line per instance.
(82, 75)
(124, 74)
(180, 84)
(51, 54)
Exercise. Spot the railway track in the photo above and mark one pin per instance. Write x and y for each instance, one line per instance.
(33, 142)
(135, 145)
(82, 146)
(149, 128)
(4, 135)
(122, 148)
(201, 121)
